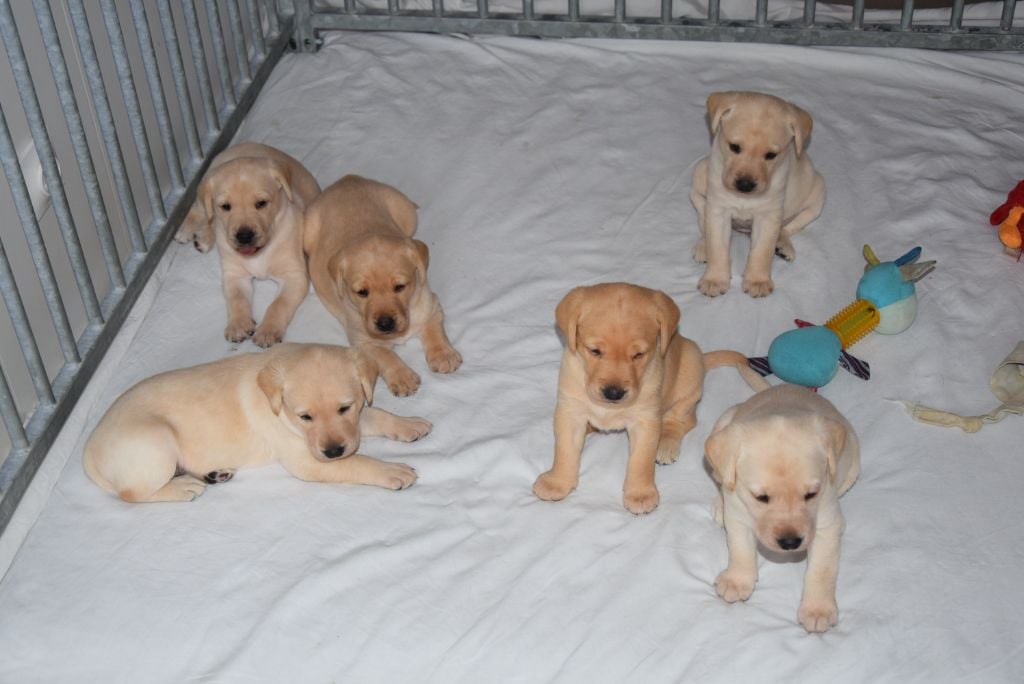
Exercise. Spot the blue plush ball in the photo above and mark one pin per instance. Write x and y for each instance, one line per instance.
(806, 356)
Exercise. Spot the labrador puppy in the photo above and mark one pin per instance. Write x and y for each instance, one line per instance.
(301, 405)
(251, 204)
(371, 275)
(782, 459)
(625, 367)
(757, 179)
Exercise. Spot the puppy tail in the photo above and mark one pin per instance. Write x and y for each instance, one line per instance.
(727, 357)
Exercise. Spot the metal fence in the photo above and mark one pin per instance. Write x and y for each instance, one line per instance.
(665, 20)
(102, 152)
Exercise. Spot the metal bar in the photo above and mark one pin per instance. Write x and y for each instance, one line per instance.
(574, 10)
(482, 10)
(273, 22)
(41, 260)
(620, 10)
(156, 92)
(188, 116)
(666, 11)
(528, 9)
(238, 41)
(714, 12)
(350, 6)
(221, 55)
(252, 12)
(9, 411)
(907, 14)
(761, 13)
(195, 44)
(858, 14)
(809, 7)
(956, 15)
(131, 103)
(1006, 23)
(48, 159)
(392, 7)
(105, 118)
(437, 4)
(76, 130)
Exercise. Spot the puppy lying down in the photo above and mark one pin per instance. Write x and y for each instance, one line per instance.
(301, 405)
(782, 459)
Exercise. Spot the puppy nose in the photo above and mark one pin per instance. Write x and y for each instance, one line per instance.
(744, 184)
(334, 451)
(245, 235)
(789, 543)
(612, 392)
(385, 324)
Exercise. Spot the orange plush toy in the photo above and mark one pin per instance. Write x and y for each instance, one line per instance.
(1010, 219)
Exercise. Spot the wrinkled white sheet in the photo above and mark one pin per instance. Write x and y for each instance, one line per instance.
(538, 166)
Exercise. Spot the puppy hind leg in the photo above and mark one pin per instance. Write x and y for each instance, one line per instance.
(145, 468)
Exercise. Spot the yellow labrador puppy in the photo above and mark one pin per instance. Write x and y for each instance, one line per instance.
(757, 179)
(625, 368)
(301, 405)
(371, 275)
(782, 459)
(251, 204)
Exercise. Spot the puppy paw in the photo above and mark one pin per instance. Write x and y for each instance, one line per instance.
(733, 587)
(201, 239)
(396, 476)
(818, 615)
(411, 430)
(267, 335)
(784, 248)
(711, 286)
(758, 287)
(239, 331)
(218, 476)
(402, 383)
(182, 488)
(668, 451)
(641, 500)
(444, 360)
(700, 252)
(550, 488)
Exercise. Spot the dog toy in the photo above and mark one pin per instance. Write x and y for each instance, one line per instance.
(886, 303)
(1010, 219)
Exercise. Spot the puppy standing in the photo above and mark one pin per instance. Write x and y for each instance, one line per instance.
(371, 275)
(756, 181)
(251, 203)
(782, 459)
(169, 436)
(625, 367)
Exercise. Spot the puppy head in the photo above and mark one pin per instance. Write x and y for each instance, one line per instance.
(379, 276)
(751, 132)
(243, 199)
(777, 466)
(616, 329)
(319, 392)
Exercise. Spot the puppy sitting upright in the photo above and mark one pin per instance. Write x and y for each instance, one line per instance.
(757, 179)
(625, 368)
(301, 405)
(782, 459)
(251, 203)
(371, 275)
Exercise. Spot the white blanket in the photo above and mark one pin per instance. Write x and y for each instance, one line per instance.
(538, 166)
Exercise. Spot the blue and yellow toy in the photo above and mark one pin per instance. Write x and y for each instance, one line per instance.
(886, 303)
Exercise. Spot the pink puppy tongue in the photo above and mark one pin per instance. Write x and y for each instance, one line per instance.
(248, 251)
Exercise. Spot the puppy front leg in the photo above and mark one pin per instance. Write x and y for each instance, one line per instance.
(698, 197)
(238, 292)
(639, 493)
(717, 231)
(441, 355)
(736, 582)
(818, 609)
(354, 469)
(570, 432)
(375, 422)
(401, 380)
(280, 312)
(764, 235)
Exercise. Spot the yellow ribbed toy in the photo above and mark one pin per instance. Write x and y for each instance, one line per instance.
(854, 322)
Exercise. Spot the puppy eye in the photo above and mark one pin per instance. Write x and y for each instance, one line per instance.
(399, 288)
(343, 410)
(363, 293)
(226, 206)
(735, 148)
(810, 495)
(638, 356)
(763, 498)
(261, 203)
(306, 417)
(595, 352)
(770, 155)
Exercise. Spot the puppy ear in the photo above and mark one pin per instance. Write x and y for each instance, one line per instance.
(422, 255)
(719, 106)
(835, 441)
(366, 367)
(721, 452)
(204, 197)
(270, 380)
(800, 124)
(567, 314)
(283, 175)
(336, 270)
(667, 315)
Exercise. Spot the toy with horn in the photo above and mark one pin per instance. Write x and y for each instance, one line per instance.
(886, 303)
